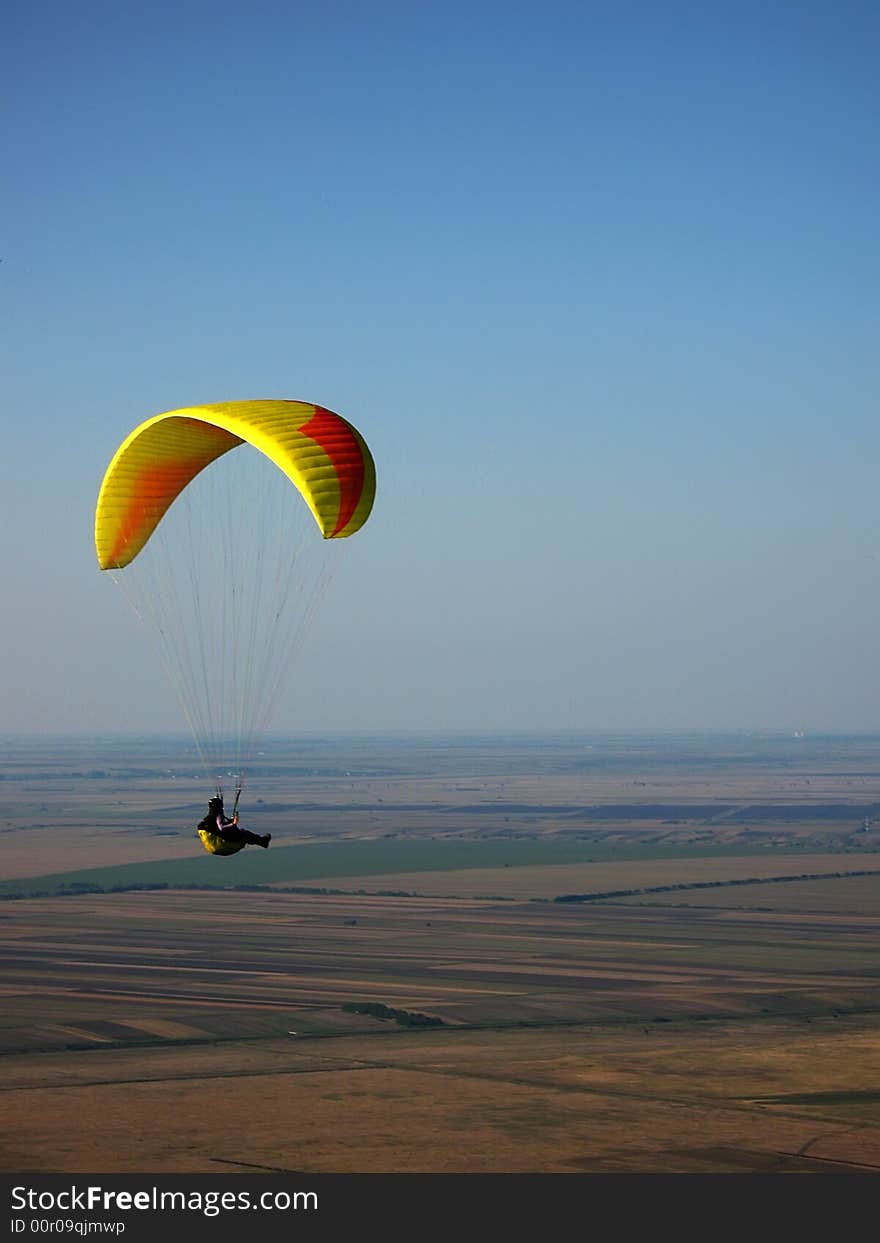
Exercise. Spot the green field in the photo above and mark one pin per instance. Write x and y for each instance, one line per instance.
(308, 863)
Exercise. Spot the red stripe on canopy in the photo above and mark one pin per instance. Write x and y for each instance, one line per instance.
(341, 445)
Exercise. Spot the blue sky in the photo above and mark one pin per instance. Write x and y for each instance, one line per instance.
(598, 283)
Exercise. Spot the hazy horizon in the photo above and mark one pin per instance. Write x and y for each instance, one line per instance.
(511, 735)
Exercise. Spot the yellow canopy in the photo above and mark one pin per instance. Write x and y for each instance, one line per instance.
(320, 452)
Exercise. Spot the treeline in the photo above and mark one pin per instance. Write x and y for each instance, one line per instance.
(76, 888)
(406, 1018)
(709, 884)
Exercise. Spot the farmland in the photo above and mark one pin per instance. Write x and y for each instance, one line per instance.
(422, 986)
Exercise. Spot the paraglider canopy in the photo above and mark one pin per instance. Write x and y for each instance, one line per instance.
(226, 555)
(320, 452)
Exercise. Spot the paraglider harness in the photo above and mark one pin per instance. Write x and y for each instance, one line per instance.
(212, 841)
